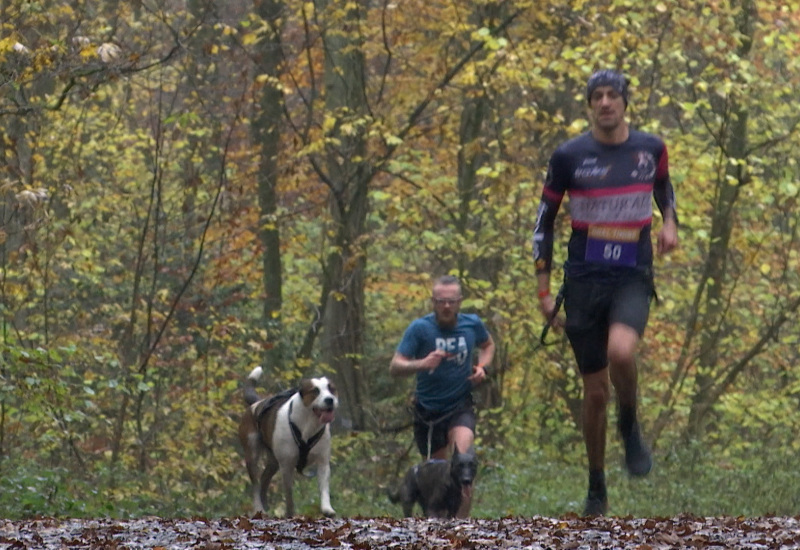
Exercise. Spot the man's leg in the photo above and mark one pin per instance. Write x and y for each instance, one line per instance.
(622, 343)
(596, 394)
(462, 438)
(435, 434)
(586, 306)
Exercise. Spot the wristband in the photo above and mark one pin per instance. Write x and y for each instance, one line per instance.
(543, 293)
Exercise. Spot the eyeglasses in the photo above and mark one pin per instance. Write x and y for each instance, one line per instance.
(446, 301)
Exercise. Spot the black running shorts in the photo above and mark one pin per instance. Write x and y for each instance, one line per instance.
(591, 307)
(437, 425)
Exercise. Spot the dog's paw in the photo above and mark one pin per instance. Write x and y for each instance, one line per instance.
(328, 512)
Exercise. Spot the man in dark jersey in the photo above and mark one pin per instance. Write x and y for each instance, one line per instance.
(438, 349)
(611, 174)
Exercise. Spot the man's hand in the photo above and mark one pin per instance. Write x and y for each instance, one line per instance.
(433, 359)
(478, 374)
(668, 236)
(547, 305)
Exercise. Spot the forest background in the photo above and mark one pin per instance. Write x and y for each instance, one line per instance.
(190, 189)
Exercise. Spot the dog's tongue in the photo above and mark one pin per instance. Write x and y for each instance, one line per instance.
(326, 416)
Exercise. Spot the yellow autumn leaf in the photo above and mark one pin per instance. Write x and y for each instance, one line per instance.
(7, 44)
(328, 124)
(765, 269)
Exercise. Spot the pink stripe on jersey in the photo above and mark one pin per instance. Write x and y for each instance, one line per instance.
(605, 191)
(553, 195)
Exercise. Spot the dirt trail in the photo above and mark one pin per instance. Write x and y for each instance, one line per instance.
(569, 532)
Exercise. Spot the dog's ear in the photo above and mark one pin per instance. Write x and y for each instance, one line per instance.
(308, 391)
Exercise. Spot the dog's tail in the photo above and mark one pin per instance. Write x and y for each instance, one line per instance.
(250, 395)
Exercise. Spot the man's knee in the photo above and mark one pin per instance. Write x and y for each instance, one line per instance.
(596, 390)
(462, 438)
(622, 342)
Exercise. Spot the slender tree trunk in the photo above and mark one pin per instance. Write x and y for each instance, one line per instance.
(349, 178)
(472, 155)
(719, 244)
(266, 132)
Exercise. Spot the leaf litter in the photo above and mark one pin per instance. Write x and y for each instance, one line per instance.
(302, 533)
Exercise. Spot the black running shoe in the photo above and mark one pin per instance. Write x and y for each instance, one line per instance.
(638, 460)
(596, 504)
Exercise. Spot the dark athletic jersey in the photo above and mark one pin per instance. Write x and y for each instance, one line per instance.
(611, 190)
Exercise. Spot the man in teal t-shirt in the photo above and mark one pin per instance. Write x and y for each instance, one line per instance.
(438, 349)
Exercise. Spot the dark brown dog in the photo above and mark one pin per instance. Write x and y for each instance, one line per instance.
(290, 430)
(436, 485)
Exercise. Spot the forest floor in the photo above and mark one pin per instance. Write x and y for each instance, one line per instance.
(568, 532)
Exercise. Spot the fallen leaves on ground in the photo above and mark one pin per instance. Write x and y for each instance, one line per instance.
(566, 533)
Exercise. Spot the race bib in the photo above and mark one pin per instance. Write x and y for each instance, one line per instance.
(612, 245)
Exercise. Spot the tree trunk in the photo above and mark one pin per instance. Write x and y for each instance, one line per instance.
(349, 177)
(266, 133)
(472, 155)
(728, 189)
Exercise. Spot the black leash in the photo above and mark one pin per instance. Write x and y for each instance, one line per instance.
(549, 323)
(557, 308)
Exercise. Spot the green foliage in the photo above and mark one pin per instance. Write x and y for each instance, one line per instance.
(28, 491)
(515, 479)
(529, 480)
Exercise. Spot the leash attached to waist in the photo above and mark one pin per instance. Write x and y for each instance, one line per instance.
(432, 423)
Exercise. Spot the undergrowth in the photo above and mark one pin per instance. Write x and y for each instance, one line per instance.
(513, 480)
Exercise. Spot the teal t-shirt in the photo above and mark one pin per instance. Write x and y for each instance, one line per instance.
(447, 386)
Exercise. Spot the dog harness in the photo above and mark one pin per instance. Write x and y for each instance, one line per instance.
(276, 400)
(304, 447)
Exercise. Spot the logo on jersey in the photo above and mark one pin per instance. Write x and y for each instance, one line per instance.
(645, 166)
(590, 170)
(455, 347)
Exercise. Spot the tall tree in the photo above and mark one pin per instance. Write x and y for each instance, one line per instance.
(723, 85)
(266, 129)
(348, 173)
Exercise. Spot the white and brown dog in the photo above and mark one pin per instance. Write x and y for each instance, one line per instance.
(291, 430)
